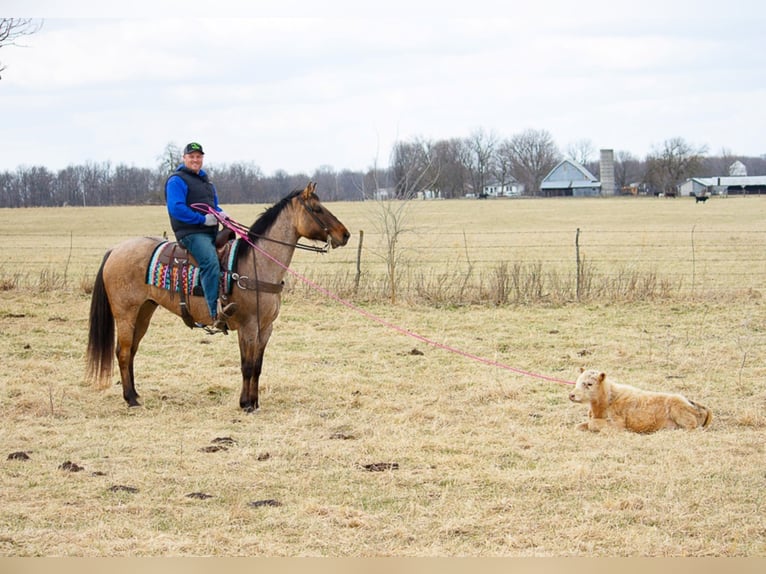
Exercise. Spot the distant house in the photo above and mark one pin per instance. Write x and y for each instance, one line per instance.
(509, 189)
(384, 193)
(569, 178)
(737, 169)
(429, 194)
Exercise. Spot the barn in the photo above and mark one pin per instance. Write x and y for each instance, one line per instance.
(728, 185)
(569, 178)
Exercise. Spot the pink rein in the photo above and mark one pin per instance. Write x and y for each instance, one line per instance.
(241, 232)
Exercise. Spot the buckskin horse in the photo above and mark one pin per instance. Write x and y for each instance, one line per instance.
(123, 297)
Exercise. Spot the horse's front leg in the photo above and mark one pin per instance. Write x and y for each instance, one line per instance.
(252, 345)
(251, 374)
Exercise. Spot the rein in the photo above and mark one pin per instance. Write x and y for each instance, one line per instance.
(241, 231)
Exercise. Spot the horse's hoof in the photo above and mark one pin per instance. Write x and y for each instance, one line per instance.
(134, 403)
(249, 409)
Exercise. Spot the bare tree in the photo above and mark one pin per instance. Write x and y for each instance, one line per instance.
(720, 165)
(581, 151)
(170, 159)
(533, 154)
(452, 177)
(627, 169)
(390, 221)
(11, 29)
(413, 168)
(668, 165)
(480, 158)
(503, 165)
(35, 187)
(240, 181)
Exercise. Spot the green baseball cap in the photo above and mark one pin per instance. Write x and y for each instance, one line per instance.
(193, 146)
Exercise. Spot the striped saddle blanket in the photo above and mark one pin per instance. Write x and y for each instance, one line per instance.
(173, 268)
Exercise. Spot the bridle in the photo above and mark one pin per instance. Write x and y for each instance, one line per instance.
(315, 217)
(243, 232)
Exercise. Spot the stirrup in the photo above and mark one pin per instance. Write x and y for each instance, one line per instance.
(212, 329)
(220, 323)
(228, 311)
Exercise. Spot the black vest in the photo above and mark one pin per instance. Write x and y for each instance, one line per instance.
(200, 190)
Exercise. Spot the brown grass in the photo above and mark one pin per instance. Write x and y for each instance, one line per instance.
(488, 462)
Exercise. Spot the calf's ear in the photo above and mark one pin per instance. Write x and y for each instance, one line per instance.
(601, 377)
(582, 369)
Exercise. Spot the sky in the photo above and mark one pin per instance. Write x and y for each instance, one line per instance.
(296, 85)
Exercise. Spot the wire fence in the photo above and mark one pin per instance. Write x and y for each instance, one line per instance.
(581, 264)
(434, 265)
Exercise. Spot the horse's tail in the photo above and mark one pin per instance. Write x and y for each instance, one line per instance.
(100, 354)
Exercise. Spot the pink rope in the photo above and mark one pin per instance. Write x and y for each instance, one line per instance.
(238, 230)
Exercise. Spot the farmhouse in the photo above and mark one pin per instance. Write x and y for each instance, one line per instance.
(728, 185)
(509, 189)
(569, 178)
(736, 183)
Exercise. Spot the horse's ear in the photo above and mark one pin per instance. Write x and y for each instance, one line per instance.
(309, 191)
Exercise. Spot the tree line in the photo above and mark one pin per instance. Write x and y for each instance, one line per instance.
(459, 166)
(450, 168)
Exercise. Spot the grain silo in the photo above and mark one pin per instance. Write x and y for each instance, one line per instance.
(607, 172)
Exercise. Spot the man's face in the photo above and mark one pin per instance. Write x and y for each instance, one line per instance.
(193, 161)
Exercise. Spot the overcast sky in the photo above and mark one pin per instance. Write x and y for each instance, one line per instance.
(296, 85)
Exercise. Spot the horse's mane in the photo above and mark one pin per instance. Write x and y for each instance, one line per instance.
(269, 216)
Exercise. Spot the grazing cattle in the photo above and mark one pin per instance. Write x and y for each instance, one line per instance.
(613, 405)
(700, 198)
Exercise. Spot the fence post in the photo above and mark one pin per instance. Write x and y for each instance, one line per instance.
(694, 263)
(577, 255)
(358, 261)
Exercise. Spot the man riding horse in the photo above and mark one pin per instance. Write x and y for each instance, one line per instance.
(188, 185)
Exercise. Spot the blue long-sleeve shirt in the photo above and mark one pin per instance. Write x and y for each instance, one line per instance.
(176, 192)
(182, 190)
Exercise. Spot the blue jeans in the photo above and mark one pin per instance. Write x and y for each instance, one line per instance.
(202, 247)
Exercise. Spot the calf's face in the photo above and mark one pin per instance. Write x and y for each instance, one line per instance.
(587, 386)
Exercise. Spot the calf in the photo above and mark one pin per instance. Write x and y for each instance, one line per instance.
(613, 405)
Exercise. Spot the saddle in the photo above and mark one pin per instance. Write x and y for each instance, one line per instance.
(173, 268)
(174, 253)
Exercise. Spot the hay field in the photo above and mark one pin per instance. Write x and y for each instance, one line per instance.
(372, 443)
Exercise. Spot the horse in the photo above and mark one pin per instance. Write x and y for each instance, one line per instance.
(122, 297)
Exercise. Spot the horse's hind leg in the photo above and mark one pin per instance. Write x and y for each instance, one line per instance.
(125, 362)
(129, 335)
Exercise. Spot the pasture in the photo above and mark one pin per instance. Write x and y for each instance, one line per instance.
(369, 442)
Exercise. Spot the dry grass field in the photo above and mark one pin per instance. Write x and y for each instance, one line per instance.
(371, 443)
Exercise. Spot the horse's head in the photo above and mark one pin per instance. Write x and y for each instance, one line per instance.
(314, 221)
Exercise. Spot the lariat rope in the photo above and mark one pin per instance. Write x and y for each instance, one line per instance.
(241, 231)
